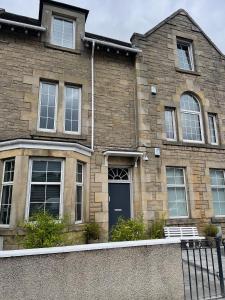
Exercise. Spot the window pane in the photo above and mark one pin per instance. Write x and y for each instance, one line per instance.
(47, 105)
(53, 193)
(79, 172)
(9, 170)
(6, 194)
(5, 214)
(184, 52)
(72, 106)
(35, 208)
(53, 176)
(37, 193)
(78, 212)
(170, 173)
(217, 177)
(54, 166)
(50, 123)
(39, 165)
(191, 127)
(189, 103)
(179, 176)
(169, 124)
(53, 209)
(212, 129)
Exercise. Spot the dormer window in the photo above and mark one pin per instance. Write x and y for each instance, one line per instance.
(185, 55)
(63, 32)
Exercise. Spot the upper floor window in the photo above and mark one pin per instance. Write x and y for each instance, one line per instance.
(191, 118)
(47, 106)
(213, 129)
(72, 109)
(6, 194)
(63, 32)
(170, 126)
(185, 55)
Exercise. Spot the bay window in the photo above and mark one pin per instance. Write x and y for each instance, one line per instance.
(79, 193)
(45, 190)
(6, 192)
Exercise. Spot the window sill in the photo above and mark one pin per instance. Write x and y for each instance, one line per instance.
(180, 221)
(190, 144)
(55, 47)
(57, 136)
(187, 72)
(218, 220)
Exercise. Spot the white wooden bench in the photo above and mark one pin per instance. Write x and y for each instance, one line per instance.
(184, 233)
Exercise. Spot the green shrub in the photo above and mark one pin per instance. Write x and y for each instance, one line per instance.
(128, 230)
(43, 230)
(211, 230)
(156, 229)
(92, 231)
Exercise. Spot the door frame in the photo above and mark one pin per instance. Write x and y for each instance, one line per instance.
(130, 181)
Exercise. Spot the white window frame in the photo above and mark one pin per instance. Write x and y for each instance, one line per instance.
(81, 184)
(186, 193)
(61, 183)
(7, 184)
(172, 110)
(39, 106)
(190, 52)
(199, 113)
(78, 132)
(215, 129)
(217, 187)
(73, 35)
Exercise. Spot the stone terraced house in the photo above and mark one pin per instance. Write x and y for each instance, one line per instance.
(94, 128)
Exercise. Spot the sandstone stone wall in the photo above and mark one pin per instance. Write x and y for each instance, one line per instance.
(159, 66)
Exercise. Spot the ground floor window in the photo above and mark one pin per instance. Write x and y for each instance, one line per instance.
(218, 191)
(177, 195)
(6, 193)
(79, 193)
(45, 187)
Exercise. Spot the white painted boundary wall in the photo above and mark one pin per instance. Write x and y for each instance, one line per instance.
(150, 269)
(89, 247)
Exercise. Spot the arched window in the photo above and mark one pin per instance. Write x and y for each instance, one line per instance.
(191, 118)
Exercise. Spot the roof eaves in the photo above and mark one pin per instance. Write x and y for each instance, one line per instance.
(107, 39)
(19, 18)
(63, 5)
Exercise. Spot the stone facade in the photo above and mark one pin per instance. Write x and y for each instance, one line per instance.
(159, 66)
(128, 117)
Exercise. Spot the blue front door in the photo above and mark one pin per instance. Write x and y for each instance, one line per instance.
(119, 202)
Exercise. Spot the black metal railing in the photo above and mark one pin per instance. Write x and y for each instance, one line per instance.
(203, 269)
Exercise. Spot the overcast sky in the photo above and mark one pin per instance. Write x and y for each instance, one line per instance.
(120, 18)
